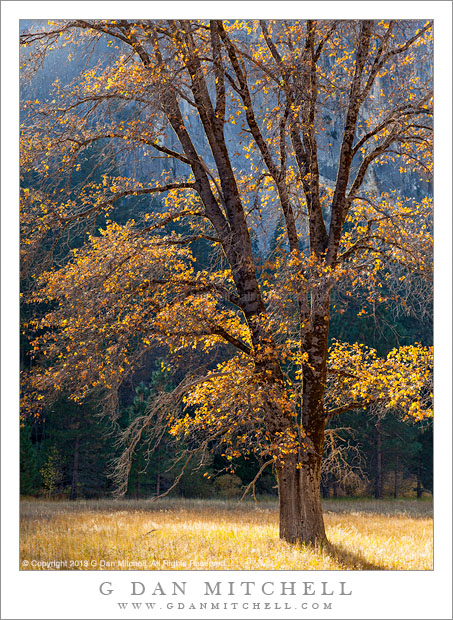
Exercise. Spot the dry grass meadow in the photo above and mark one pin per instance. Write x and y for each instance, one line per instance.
(204, 534)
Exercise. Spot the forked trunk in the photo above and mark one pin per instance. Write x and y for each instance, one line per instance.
(301, 517)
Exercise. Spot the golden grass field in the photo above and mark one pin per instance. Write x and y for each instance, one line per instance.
(205, 534)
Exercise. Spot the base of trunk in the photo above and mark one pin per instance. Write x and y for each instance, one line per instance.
(301, 519)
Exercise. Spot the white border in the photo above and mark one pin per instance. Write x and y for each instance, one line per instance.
(419, 594)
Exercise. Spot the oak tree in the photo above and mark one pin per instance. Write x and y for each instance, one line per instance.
(240, 115)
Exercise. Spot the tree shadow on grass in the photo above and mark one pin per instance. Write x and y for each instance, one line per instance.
(348, 559)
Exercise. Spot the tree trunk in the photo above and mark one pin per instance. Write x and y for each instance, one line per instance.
(395, 489)
(158, 475)
(299, 477)
(378, 480)
(419, 478)
(325, 490)
(75, 469)
(301, 517)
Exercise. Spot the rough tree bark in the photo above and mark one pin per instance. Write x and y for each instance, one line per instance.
(300, 512)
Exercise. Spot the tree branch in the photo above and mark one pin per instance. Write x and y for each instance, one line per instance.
(252, 484)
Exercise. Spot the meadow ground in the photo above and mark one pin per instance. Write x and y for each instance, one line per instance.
(204, 534)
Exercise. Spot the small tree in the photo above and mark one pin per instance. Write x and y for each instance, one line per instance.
(51, 472)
